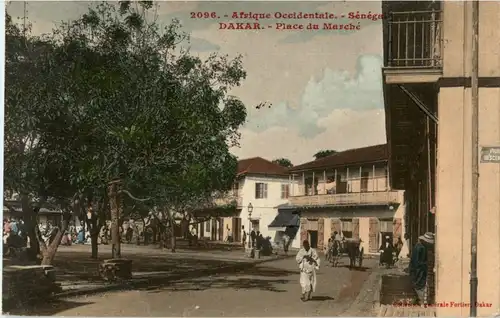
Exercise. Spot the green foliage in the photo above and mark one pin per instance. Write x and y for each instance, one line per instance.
(111, 95)
(284, 162)
(324, 153)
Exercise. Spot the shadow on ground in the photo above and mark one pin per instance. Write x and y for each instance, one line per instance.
(249, 277)
(49, 308)
(321, 298)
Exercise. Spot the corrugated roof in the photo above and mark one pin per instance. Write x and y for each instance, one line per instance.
(258, 165)
(348, 157)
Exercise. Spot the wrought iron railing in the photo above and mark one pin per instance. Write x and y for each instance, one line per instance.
(415, 39)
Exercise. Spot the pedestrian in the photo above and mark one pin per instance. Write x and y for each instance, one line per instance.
(386, 252)
(418, 265)
(14, 227)
(286, 242)
(243, 235)
(253, 237)
(229, 235)
(329, 248)
(308, 261)
(398, 246)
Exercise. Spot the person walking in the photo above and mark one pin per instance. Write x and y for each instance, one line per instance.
(308, 261)
(286, 243)
(243, 236)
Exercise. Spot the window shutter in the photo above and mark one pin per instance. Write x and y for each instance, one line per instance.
(265, 191)
(257, 190)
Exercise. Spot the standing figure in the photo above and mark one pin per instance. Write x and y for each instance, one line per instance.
(418, 265)
(308, 261)
(243, 235)
(286, 242)
(253, 237)
(386, 252)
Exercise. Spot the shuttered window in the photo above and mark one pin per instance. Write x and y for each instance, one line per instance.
(285, 191)
(261, 190)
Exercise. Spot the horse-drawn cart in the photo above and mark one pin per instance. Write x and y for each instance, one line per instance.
(351, 248)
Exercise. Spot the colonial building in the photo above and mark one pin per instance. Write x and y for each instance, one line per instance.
(428, 69)
(260, 186)
(347, 192)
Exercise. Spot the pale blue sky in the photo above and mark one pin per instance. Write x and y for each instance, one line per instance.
(325, 86)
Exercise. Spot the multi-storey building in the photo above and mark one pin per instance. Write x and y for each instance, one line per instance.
(347, 192)
(259, 188)
(429, 59)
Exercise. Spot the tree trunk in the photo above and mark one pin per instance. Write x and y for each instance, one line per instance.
(30, 222)
(49, 252)
(115, 232)
(93, 242)
(171, 221)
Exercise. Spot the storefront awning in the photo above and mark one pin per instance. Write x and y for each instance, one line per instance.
(283, 220)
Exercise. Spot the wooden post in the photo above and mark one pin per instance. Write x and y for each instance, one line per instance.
(374, 180)
(324, 181)
(115, 217)
(347, 179)
(313, 184)
(360, 181)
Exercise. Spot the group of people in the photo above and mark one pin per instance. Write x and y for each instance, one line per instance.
(257, 241)
(14, 233)
(309, 262)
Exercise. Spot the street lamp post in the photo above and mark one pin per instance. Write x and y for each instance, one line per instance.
(249, 237)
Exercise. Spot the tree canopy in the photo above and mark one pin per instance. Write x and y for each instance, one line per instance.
(112, 95)
(324, 153)
(284, 162)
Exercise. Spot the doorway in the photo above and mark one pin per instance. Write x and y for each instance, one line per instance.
(313, 238)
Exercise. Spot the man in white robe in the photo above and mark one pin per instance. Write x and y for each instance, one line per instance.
(308, 261)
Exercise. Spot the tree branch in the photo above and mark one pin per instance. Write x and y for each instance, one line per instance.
(132, 197)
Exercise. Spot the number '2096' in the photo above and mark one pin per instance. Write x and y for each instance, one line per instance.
(203, 15)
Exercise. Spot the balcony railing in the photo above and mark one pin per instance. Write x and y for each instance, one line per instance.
(229, 199)
(415, 39)
(362, 198)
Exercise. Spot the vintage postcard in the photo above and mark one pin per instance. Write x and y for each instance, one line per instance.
(251, 158)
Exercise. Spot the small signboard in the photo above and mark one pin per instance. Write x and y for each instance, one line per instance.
(490, 154)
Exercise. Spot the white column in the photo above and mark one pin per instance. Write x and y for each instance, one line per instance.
(335, 180)
(324, 181)
(293, 184)
(304, 183)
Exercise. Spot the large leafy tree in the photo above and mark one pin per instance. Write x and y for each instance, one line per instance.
(116, 98)
(284, 162)
(324, 153)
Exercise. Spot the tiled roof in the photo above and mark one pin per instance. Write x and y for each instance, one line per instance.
(260, 165)
(348, 157)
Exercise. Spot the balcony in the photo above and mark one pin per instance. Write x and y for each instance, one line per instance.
(414, 47)
(346, 199)
(229, 199)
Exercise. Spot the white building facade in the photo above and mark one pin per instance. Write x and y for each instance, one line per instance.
(261, 187)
